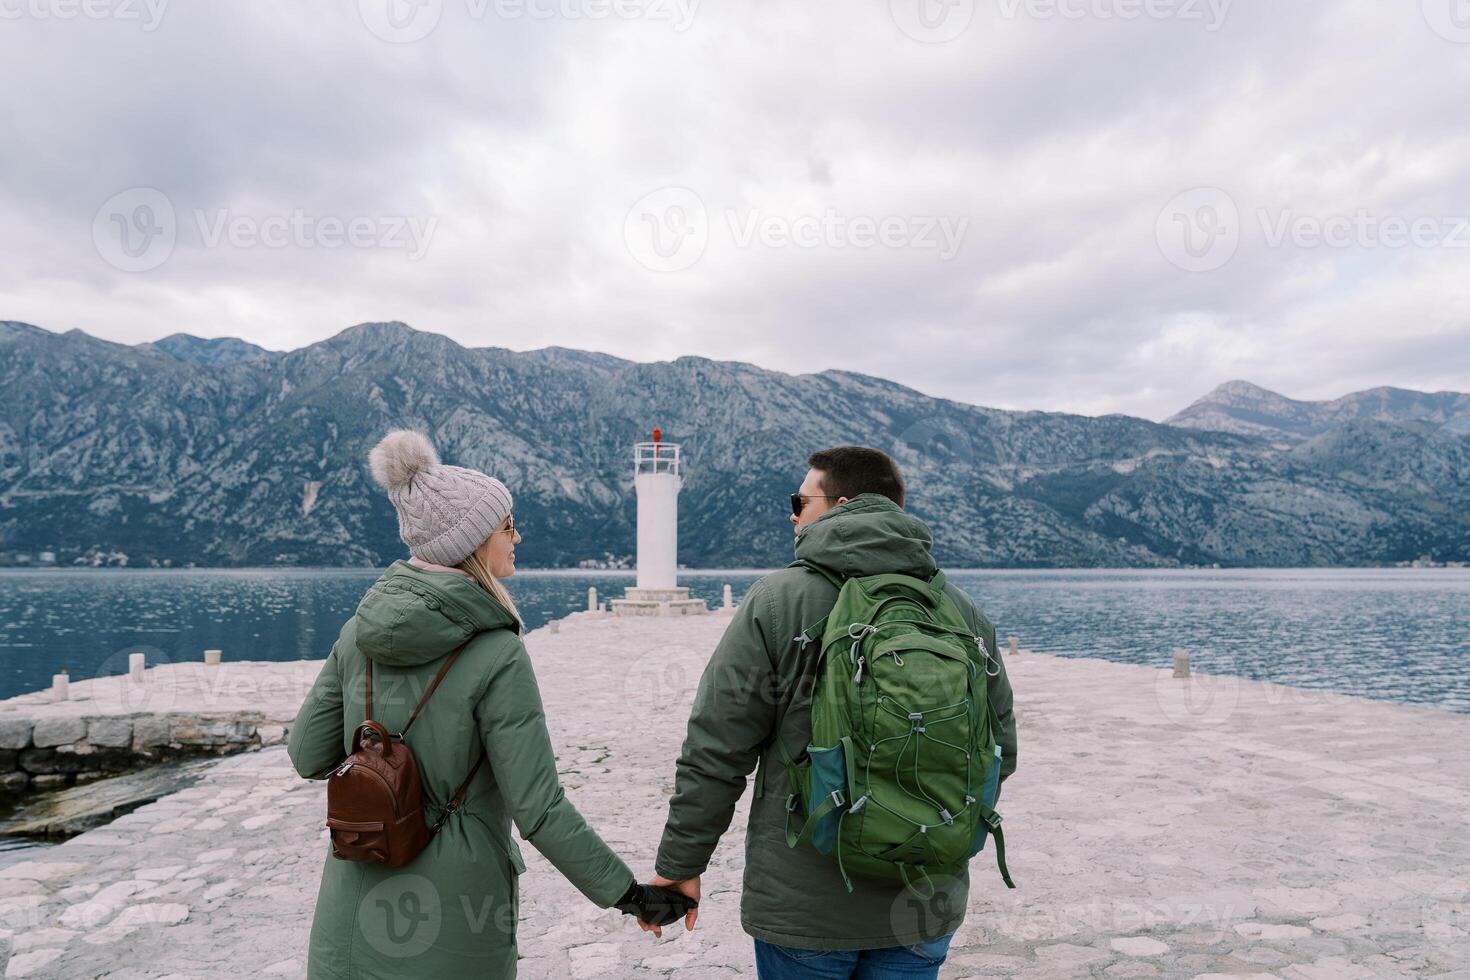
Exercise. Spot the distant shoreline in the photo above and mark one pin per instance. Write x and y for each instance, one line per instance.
(705, 572)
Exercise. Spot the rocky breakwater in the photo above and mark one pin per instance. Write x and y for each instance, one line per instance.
(95, 729)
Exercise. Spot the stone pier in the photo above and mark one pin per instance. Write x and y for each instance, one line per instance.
(1157, 827)
(109, 725)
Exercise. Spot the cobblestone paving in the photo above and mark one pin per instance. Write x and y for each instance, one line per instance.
(1157, 827)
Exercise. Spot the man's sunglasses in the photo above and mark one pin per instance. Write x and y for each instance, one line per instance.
(798, 500)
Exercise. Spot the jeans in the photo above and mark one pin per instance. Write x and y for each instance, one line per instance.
(920, 962)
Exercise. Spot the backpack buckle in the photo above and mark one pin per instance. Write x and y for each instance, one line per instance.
(837, 797)
(791, 803)
(992, 820)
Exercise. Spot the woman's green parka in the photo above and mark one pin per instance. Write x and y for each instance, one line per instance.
(452, 911)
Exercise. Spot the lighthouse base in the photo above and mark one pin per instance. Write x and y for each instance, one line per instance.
(657, 602)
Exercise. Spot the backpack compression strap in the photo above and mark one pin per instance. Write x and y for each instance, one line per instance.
(992, 824)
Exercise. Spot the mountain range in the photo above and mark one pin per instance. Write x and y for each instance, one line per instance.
(1247, 409)
(219, 452)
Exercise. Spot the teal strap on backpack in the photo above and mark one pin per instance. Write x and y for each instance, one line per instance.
(803, 834)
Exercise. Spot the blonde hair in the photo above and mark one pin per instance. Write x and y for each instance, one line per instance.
(490, 583)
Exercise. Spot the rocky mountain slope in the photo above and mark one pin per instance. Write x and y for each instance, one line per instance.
(1247, 409)
(224, 454)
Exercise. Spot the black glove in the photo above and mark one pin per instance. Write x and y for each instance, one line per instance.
(655, 905)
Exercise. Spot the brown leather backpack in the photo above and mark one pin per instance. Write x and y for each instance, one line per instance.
(375, 798)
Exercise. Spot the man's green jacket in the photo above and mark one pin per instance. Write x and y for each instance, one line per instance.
(757, 688)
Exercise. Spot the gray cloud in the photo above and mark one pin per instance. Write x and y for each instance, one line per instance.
(516, 144)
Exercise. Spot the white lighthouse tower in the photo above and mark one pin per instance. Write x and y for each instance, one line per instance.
(657, 476)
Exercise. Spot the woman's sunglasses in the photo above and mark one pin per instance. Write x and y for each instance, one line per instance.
(798, 500)
(510, 528)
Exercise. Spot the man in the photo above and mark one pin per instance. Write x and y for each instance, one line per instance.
(757, 688)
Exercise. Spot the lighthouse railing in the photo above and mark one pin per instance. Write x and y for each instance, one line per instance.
(656, 457)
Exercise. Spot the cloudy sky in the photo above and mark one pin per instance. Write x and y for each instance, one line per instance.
(1086, 205)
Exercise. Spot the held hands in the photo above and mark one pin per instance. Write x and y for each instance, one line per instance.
(688, 888)
(657, 906)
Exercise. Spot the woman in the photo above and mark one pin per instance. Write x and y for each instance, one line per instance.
(452, 911)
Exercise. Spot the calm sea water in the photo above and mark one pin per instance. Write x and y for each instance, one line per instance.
(1395, 634)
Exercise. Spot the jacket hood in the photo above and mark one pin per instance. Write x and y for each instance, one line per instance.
(868, 535)
(411, 616)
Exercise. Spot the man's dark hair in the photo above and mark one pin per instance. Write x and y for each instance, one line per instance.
(850, 470)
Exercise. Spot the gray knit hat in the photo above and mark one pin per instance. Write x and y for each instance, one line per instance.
(444, 512)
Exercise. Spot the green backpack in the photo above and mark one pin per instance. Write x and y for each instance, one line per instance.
(903, 768)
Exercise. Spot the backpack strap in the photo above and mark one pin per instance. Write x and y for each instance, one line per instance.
(992, 827)
(434, 685)
(428, 692)
(796, 836)
(368, 707)
(458, 797)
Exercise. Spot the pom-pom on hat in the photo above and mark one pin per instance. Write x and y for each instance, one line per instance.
(444, 512)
